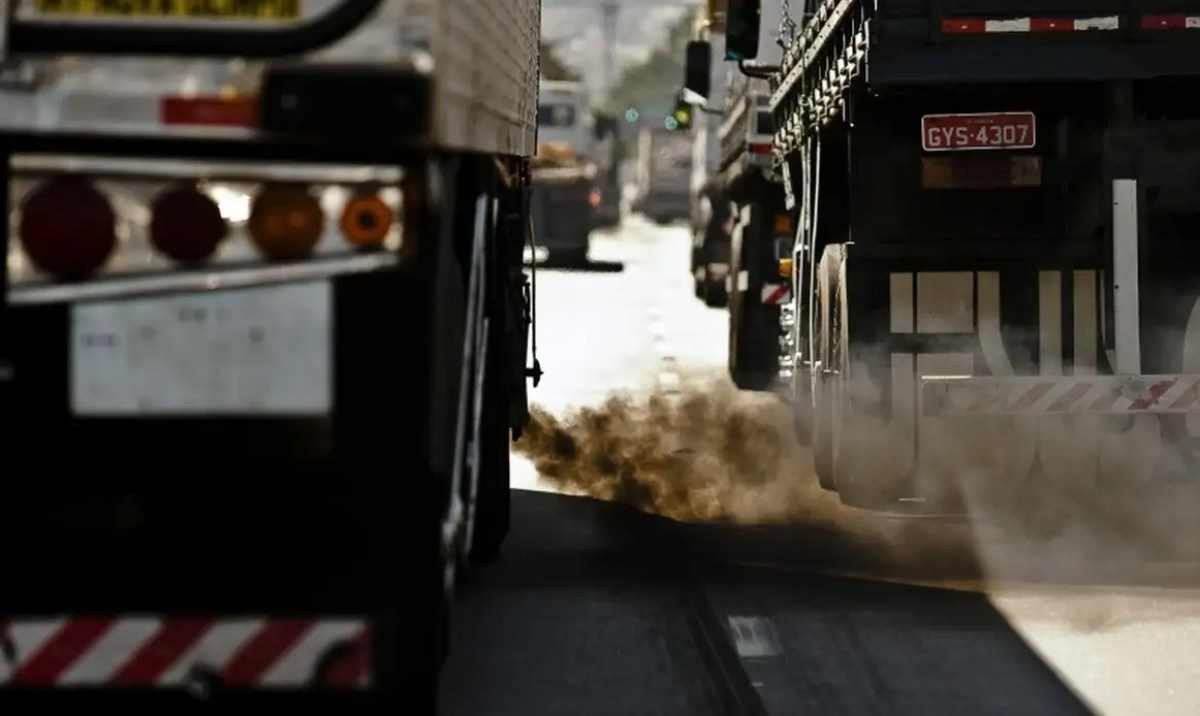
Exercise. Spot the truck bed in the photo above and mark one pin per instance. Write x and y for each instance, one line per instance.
(486, 93)
(933, 41)
(943, 41)
(898, 44)
(459, 75)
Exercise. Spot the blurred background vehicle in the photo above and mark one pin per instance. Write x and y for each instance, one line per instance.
(609, 155)
(664, 174)
(565, 193)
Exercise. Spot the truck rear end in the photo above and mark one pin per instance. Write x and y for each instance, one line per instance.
(262, 342)
(664, 174)
(762, 230)
(565, 173)
(992, 266)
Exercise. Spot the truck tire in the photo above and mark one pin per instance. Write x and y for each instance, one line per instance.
(715, 293)
(493, 500)
(801, 394)
(753, 327)
(824, 420)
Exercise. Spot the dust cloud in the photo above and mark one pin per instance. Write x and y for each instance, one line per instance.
(714, 456)
(707, 455)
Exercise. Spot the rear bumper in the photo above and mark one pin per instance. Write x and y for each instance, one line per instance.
(562, 216)
(198, 654)
(1097, 395)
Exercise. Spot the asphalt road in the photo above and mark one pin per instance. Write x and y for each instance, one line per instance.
(757, 592)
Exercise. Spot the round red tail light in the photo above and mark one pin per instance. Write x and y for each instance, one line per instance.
(186, 225)
(68, 228)
(286, 222)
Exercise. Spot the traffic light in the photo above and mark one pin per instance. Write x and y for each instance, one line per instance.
(682, 115)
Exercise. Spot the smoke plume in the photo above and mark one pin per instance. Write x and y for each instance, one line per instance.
(714, 455)
(704, 456)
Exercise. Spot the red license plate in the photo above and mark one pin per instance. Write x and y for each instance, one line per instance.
(961, 132)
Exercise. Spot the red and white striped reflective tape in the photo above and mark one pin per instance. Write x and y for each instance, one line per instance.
(1101, 395)
(776, 294)
(984, 26)
(172, 652)
(1171, 22)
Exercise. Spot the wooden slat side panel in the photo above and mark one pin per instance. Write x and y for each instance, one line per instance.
(486, 52)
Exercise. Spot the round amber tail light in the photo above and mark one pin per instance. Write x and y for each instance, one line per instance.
(286, 222)
(366, 221)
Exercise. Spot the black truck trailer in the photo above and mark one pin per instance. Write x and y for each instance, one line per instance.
(995, 284)
(262, 342)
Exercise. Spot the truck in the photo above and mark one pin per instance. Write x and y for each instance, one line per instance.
(993, 285)
(741, 247)
(263, 342)
(711, 213)
(565, 194)
(664, 174)
(605, 198)
(762, 225)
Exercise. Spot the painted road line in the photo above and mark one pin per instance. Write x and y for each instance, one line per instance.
(754, 637)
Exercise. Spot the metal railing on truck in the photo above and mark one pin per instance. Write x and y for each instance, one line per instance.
(923, 42)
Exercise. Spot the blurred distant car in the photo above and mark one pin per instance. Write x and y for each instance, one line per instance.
(606, 189)
(664, 175)
(563, 192)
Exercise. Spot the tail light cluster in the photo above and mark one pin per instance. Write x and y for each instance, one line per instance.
(70, 229)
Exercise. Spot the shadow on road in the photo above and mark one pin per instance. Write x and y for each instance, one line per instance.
(597, 608)
(589, 266)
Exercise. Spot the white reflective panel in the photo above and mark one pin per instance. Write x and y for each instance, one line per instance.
(1087, 324)
(1126, 303)
(902, 302)
(946, 302)
(255, 351)
(991, 340)
(1050, 328)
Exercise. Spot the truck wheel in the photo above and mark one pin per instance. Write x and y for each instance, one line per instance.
(802, 417)
(753, 328)
(493, 499)
(715, 294)
(823, 395)
(801, 394)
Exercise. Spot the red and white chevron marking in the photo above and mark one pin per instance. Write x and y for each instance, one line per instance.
(988, 26)
(776, 294)
(1171, 22)
(1099, 395)
(169, 652)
